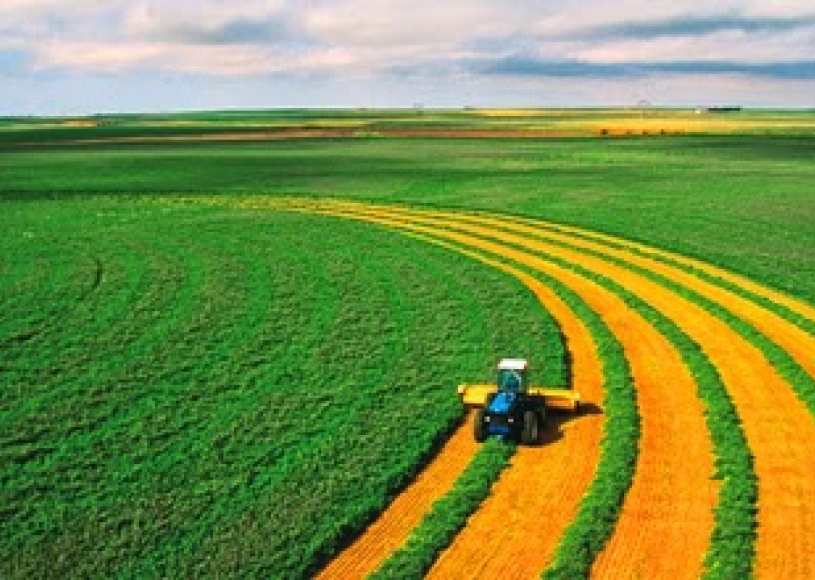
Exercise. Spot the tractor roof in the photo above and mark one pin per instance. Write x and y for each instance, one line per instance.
(513, 364)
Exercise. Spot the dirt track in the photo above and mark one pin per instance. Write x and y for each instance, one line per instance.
(667, 517)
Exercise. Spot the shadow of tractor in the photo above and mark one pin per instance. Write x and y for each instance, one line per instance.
(555, 420)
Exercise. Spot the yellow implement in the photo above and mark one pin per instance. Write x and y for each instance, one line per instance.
(564, 399)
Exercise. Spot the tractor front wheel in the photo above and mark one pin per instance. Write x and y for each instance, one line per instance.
(530, 435)
(480, 427)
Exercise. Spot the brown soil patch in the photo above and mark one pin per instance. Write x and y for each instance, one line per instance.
(295, 134)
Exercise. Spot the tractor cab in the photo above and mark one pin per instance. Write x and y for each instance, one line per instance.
(512, 375)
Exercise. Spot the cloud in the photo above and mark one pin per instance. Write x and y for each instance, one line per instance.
(213, 61)
(239, 31)
(698, 26)
(207, 23)
(537, 67)
(424, 42)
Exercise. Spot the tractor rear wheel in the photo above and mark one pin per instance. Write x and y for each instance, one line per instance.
(480, 427)
(530, 435)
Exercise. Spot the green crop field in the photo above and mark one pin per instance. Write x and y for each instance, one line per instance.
(195, 389)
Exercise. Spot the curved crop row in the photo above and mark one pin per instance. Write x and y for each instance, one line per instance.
(781, 343)
(731, 549)
(789, 308)
(611, 484)
(65, 356)
(687, 436)
(549, 475)
(738, 358)
(767, 319)
(391, 529)
(735, 496)
(393, 526)
(768, 407)
(448, 514)
(554, 477)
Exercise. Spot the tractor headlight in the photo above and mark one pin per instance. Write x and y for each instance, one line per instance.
(511, 420)
(487, 419)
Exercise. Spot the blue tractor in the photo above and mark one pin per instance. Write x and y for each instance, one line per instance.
(513, 409)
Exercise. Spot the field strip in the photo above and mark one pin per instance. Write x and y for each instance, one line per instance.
(23, 283)
(798, 307)
(778, 427)
(392, 527)
(118, 294)
(675, 464)
(554, 476)
(561, 489)
(792, 339)
(442, 522)
(44, 283)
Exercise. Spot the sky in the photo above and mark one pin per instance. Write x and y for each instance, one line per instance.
(77, 57)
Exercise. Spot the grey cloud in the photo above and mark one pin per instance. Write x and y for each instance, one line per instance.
(536, 67)
(238, 31)
(795, 70)
(697, 26)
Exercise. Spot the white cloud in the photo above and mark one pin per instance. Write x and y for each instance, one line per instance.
(380, 40)
(735, 46)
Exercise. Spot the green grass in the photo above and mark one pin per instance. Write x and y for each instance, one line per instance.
(692, 194)
(186, 381)
(147, 350)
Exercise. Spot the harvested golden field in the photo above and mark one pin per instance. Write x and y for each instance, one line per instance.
(666, 523)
